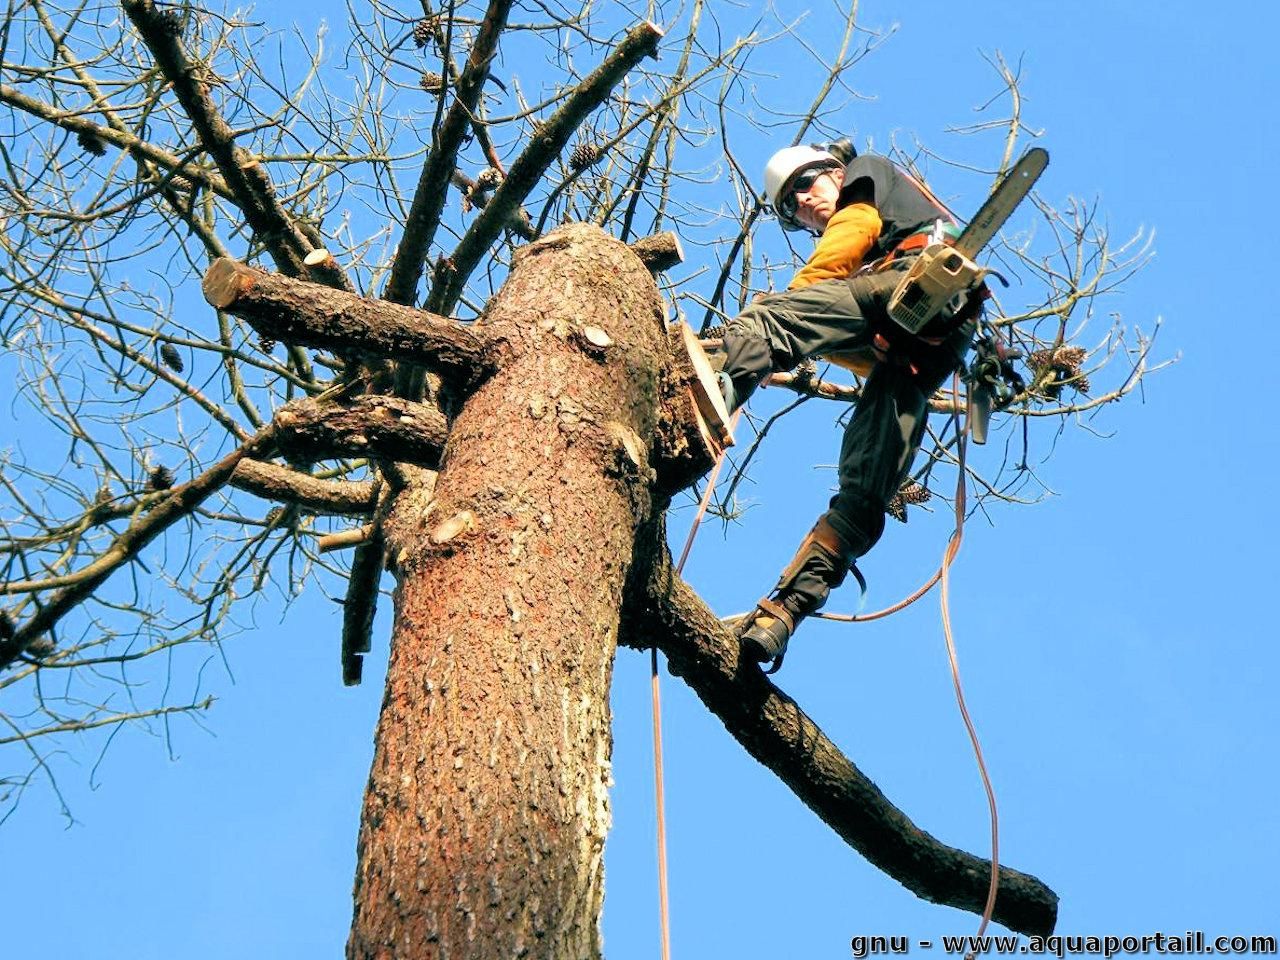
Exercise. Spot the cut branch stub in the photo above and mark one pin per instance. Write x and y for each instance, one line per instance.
(377, 426)
(454, 527)
(659, 252)
(596, 339)
(311, 315)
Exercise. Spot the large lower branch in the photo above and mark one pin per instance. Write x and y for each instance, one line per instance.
(552, 136)
(664, 611)
(297, 312)
(387, 427)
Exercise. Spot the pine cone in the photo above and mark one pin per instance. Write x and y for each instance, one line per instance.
(1064, 358)
(431, 82)
(490, 178)
(273, 516)
(424, 31)
(266, 344)
(161, 478)
(90, 143)
(1058, 368)
(179, 182)
(171, 22)
(713, 333)
(583, 156)
(909, 492)
(171, 357)
(912, 492)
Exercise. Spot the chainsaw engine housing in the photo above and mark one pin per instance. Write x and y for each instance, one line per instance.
(940, 275)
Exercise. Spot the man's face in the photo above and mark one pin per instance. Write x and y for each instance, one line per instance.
(815, 194)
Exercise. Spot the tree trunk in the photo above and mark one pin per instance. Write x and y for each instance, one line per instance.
(485, 814)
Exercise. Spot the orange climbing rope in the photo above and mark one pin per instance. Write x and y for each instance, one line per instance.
(949, 555)
(657, 715)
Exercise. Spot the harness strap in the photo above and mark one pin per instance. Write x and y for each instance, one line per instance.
(917, 241)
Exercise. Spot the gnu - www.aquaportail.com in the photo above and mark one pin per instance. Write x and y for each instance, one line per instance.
(1191, 942)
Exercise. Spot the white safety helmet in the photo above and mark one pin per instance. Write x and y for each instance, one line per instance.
(783, 167)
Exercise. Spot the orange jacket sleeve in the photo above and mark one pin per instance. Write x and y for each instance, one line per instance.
(851, 232)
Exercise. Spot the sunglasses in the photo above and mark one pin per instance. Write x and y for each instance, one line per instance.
(788, 205)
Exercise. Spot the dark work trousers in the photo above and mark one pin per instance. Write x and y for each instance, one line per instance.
(780, 330)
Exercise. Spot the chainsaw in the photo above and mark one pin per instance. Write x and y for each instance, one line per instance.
(943, 275)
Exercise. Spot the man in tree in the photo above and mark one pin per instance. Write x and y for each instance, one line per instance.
(864, 212)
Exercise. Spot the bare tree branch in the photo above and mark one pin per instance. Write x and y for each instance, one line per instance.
(243, 172)
(73, 122)
(550, 139)
(274, 482)
(773, 729)
(74, 588)
(433, 183)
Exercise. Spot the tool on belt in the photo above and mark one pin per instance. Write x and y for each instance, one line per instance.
(992, 380)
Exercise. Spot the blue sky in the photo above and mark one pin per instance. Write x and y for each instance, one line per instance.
(1113, 639)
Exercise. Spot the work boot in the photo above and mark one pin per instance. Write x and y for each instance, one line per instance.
(820, 565)
(765, 635)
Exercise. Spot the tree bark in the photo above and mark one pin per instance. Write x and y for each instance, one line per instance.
(378, 426)
(274, 482)
(484, 819)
